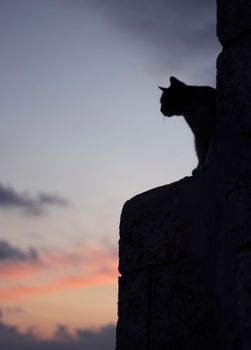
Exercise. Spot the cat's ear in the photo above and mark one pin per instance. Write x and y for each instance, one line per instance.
(176, 82)
(162, 88)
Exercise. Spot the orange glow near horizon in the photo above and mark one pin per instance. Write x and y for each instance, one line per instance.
(71, 282)
(88, 308)
(66, 281)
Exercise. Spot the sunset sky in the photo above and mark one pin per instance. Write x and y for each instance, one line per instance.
(81, 132)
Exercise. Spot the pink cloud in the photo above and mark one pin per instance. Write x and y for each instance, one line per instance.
(95, 265)
(88, 258)
(68, 282)
(21, 270)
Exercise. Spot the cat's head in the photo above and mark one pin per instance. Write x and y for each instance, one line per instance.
(175, 99)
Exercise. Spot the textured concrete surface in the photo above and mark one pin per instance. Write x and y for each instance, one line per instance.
(233, 19)
(133, 307)
(173, 236)
(234, 90)
(182, 293)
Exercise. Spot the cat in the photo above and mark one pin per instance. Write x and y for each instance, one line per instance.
(197, 104)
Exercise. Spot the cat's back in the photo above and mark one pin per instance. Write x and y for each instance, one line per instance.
(201, 116)
(205, 95)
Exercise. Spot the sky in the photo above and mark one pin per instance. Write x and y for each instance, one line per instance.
(81, 133)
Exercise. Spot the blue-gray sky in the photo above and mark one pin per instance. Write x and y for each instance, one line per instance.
(81, 132)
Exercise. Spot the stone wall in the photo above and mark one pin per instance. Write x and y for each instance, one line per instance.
(234, 85)
(185, 248)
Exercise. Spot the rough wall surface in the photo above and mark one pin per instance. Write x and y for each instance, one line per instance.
(185, 248)
(234, 85)
(233, 20)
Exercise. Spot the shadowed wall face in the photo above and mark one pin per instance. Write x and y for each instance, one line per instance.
(185, 248)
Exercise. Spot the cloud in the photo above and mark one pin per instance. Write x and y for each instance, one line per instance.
(62, 333)
(11, 253)
(10, 198)
(20, 271)
(13, 310)
(17, 263)
(90, 265)
(88, 339)
(102, 339)
(69, 282)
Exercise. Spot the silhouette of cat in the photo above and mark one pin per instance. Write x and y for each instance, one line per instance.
(197, 104)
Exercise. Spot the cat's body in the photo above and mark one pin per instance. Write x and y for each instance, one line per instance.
(197, 104)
